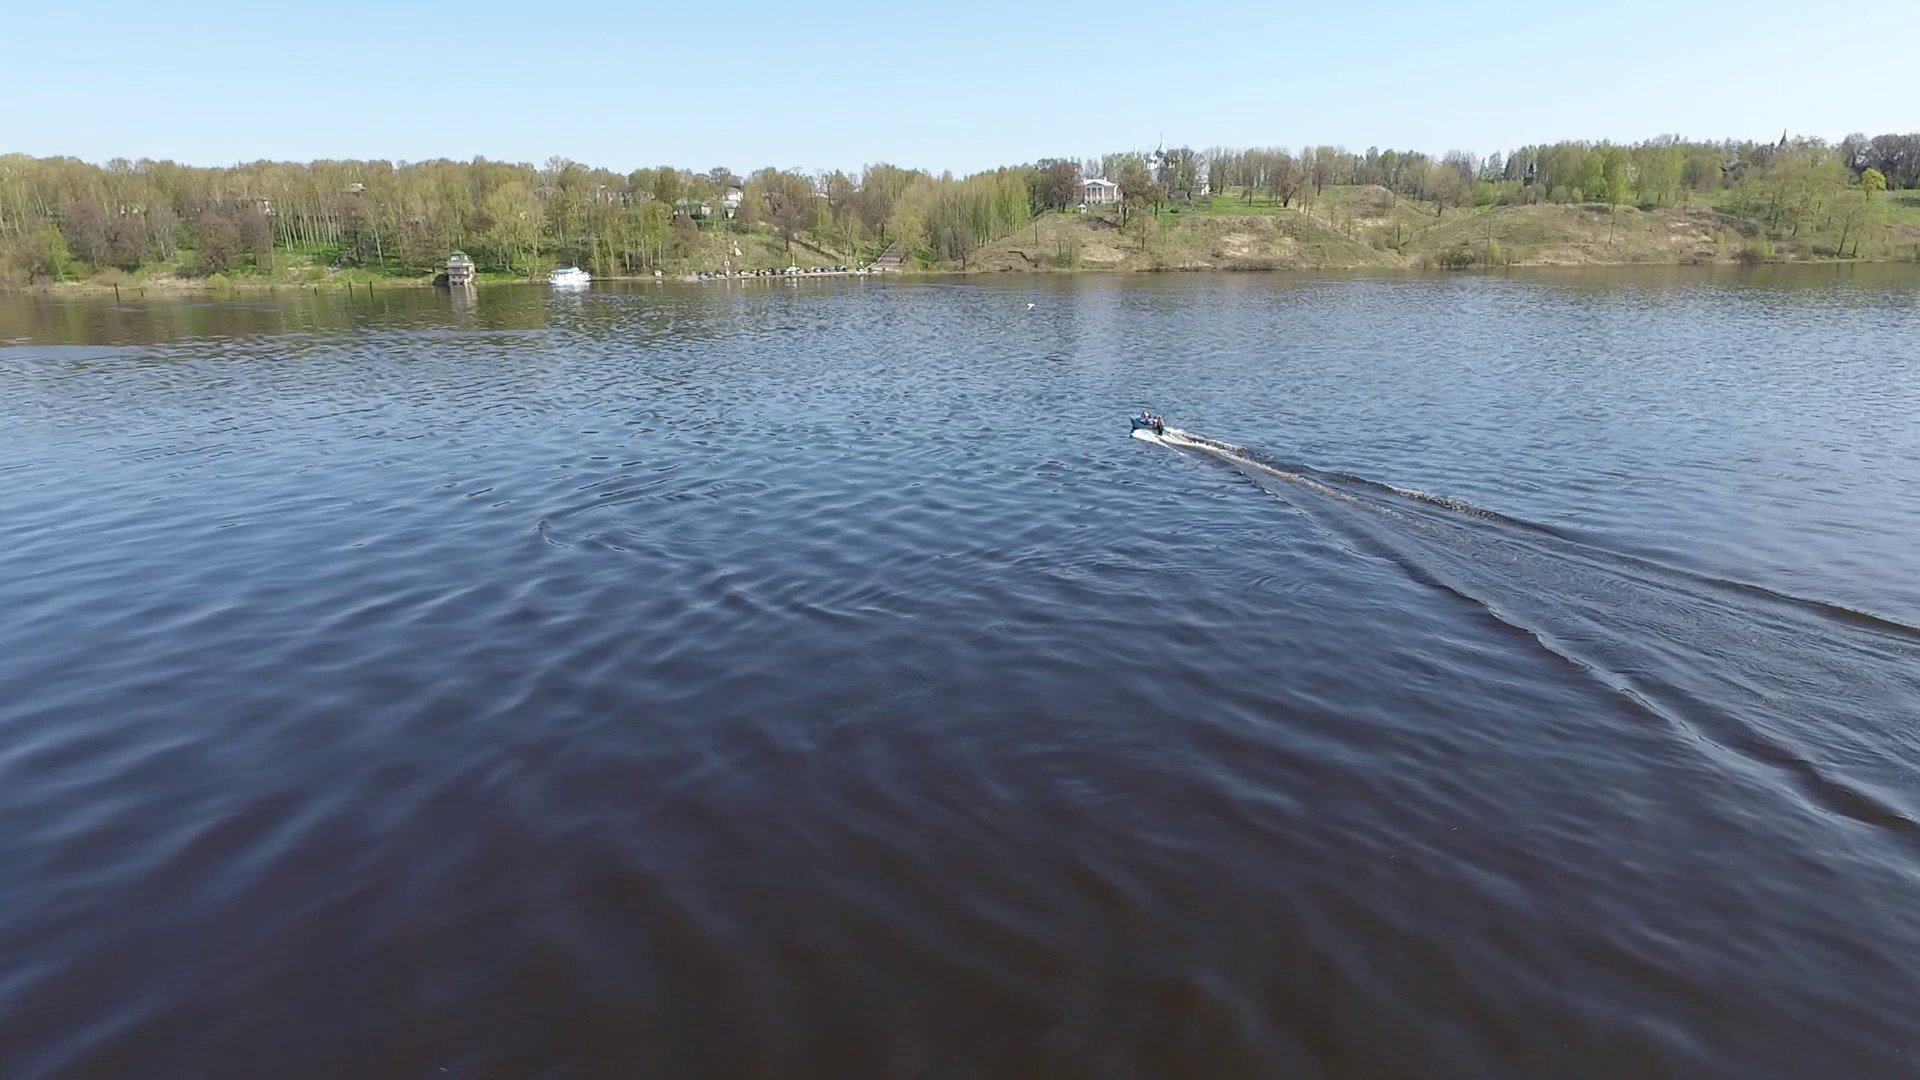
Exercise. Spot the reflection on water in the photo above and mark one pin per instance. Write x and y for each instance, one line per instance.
(812, 677)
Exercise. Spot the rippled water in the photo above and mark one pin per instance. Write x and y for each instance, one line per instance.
(1490, 676)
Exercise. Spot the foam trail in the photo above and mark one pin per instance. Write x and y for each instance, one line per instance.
(1812, 691)
(1319, 480)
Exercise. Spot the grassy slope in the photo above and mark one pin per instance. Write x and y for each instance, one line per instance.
(1341, 227)
(1571, 235)
(1903, 225)
(1369, 226)
(1235, 241)
(289, 269)
(758, 248)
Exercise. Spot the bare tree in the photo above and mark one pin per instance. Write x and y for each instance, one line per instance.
(1054, 184)
(1284, 176)
(220, 244)
(792, 205)
(126, 241)
(1182, 172)
(84, 224)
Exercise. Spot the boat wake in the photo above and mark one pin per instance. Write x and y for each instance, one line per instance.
(1809, 690)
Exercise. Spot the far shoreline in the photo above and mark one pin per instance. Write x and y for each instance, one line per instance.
(175, 286)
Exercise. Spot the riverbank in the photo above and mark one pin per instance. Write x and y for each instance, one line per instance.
(368, 284)
(1341, 228)
(758, 250)
(1370, 227)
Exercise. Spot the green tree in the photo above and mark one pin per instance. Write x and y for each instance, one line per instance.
(1593, 175)
(880, 188)
(648, 226)
(1614, 165)
(514, 218)
(1861, 214)
(1443, 185)
(1135, 186)
(906, 225)
(42, 255)
(1388, 175)
(753, 206)
(1659, 169)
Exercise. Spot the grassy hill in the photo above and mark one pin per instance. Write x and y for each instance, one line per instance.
(710, 248)
(1364, 226)
(758, 248)
(1551, 235)
(1354, 227)
(1190, 240)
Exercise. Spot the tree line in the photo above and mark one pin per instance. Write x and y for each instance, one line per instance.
(1791, 187)
(62, 218)
(1656, 172)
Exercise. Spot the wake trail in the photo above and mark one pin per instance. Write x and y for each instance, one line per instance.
(1817, 692)
(1348, 485)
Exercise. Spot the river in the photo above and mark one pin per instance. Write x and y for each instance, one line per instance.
(1487, 675)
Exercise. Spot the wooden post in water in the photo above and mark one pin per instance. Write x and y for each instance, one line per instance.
(116, 292)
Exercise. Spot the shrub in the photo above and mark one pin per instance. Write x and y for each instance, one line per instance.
(41, 256)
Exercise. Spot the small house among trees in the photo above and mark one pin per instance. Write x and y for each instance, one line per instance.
(460, 269)
(1097, 192)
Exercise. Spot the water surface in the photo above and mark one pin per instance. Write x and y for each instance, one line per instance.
(1493, 675)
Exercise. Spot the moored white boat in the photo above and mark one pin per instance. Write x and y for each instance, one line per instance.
(569, 275)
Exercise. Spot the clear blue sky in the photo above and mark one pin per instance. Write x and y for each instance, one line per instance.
(937, 85)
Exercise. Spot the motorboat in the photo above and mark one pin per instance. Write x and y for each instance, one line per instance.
(569, 275)
(1147, 421)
